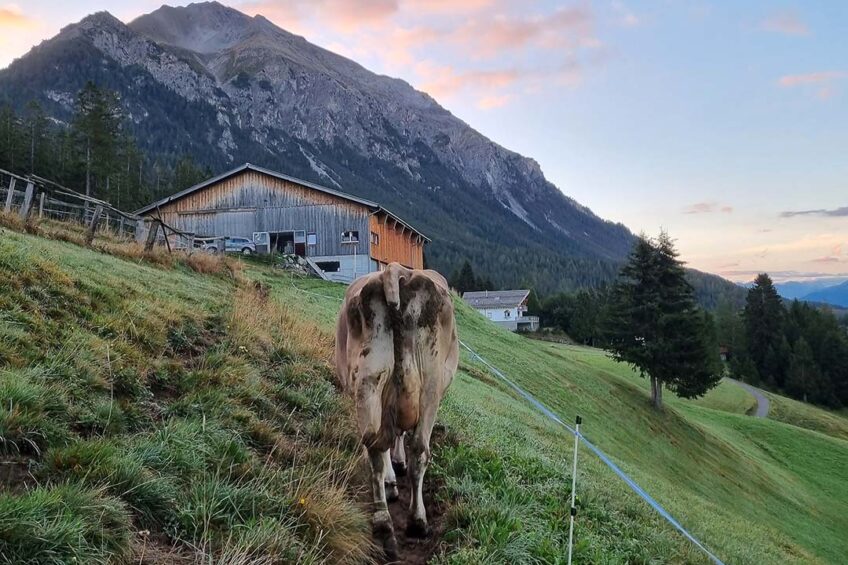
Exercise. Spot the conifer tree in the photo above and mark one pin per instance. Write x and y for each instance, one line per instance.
(656, 327)
(764, 327)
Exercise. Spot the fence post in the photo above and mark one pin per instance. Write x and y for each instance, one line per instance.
(151, 236)
(41, 204)
(10, 195)
(26, 207)
(573, 511)
(121, 227)
(92, 227)
(190, 244)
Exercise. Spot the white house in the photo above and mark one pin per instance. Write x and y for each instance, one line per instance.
(507, 308)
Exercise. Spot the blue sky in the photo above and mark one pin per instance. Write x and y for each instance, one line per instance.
(709, 119)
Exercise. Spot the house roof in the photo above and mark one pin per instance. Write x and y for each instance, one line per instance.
(496, 298)
(373, 206)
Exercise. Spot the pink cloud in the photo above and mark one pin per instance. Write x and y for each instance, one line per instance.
(707, 208)
(489, 36)
(11, 16)
(827, 259)
(810, 78)
(786, 23)
(445, 80)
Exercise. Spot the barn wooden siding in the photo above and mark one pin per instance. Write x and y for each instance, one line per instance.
(396, 242)
(251, 202)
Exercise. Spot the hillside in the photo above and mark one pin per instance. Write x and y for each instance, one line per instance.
(196, 414)
(211, 82)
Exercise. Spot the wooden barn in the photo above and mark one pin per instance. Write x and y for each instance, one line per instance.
(345, 236)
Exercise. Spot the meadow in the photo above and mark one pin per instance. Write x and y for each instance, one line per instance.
(167, 412)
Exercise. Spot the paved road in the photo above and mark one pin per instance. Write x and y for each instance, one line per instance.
(762, 400)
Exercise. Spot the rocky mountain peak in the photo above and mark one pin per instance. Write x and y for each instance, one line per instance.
(204, 27)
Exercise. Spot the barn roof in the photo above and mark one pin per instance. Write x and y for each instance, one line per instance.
(373, 206)
(495, 298)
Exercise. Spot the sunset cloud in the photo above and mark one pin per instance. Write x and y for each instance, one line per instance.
(832, 213)
(827, 259)
(507, 51)
(707, 208)
(786, 23)
(810, 78)
(12, 17)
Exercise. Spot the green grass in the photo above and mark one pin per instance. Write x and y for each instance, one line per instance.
(154, 398)
(730, 479)
(143, 404)
(806, 416)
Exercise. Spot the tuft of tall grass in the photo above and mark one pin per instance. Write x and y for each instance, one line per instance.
(33, 416)
(66, 523)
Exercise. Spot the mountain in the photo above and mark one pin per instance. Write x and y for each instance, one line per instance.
(800, 289)
(226, 88)
(833, 295)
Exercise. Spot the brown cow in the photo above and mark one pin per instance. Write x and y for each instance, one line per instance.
(396, 354)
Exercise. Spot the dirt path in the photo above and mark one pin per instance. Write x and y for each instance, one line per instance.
(413, 550)
(762, 399)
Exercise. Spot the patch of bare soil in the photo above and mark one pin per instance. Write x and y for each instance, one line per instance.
(14, 474)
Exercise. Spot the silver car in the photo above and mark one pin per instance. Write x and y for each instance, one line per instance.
(233, 245)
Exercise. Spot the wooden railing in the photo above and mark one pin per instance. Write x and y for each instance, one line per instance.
(33, 196)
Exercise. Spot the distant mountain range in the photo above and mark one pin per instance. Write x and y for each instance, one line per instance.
(226, 88)
(832, 290)
(836, 295)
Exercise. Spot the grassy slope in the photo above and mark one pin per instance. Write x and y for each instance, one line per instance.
(161, 414)
(757, 491)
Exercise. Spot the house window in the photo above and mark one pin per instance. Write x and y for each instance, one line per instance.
(506, 313)
(488, 314)
(312, 239)
(350, 236)
(375, 238)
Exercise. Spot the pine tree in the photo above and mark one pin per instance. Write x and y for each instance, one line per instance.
(764, 326)
(656, 327)
(463, 280)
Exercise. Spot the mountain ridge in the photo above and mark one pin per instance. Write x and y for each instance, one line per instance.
(212, 82)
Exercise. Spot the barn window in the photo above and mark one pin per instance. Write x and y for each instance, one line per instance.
(506, 313)
(350, 236)
(312, 238)
(375, 238)
(329, 266)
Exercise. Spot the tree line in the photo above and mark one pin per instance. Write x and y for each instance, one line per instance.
(799, 350)
(94, 152)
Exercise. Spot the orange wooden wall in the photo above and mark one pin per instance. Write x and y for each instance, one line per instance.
(395, 243)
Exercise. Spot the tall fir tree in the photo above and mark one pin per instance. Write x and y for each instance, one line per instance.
(656, 327)
(764, 331)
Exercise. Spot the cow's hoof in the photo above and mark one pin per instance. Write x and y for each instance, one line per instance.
(418, 528)
(400, 469)
(390, 549)
(381, 523)
(392, 492)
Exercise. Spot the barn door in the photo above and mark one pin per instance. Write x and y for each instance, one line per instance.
(262, 239)
(300, 243)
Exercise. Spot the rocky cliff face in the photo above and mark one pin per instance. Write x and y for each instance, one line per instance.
(228, 88)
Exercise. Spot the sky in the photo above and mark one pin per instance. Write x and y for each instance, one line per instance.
(724, 123)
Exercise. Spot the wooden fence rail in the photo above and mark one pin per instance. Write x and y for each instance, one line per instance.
(34, 196)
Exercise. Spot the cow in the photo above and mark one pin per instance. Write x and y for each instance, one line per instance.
(396, 354)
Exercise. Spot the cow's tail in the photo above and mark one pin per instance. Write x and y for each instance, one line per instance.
(391, 290)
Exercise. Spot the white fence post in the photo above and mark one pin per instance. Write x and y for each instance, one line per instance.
(573, 511)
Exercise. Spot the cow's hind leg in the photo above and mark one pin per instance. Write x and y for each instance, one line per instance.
(390, 480)
(381, 522)
(419, 458)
